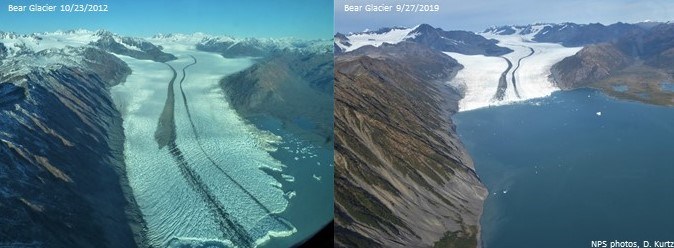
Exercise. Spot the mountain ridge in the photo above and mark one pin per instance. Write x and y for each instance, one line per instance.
(642, 62)
(48, 192)
(398, 161)
(448, 41)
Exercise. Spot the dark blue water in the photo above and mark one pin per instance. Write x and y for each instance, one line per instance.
(311, 166)
(561, 174)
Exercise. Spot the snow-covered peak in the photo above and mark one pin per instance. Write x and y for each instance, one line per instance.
(223, 43)
(70, 32)
(530, 30)
(377, 38)
(49, 58)
(18, 44)
(187, 38)
(648, 24)
(202, 38)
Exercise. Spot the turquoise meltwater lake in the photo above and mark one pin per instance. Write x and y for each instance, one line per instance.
(573, 168)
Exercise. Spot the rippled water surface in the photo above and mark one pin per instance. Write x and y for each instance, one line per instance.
(575, 167)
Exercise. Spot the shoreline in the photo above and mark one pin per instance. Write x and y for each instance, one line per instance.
(617, 96)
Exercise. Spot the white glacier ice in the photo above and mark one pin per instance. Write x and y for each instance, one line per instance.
(227, 153)
(480, 77)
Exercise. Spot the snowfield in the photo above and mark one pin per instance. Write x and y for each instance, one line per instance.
(480, 78)
(395, 36)
(48, 40)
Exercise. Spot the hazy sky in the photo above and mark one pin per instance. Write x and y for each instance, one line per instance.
(476, 15)
(240, 18)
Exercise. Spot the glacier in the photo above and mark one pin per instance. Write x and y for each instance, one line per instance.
(222, 154)
(219, 181)
(479, 79)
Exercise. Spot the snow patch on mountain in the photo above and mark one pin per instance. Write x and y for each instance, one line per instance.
(18, 44)
(526, 31)
(377, 38)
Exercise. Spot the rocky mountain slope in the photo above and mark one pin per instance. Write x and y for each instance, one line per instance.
(463, 42)
(402, 177)
(61, 161)
(633, 67)
(590, 64)
(291, 86)
(132, 47)
(291, 81)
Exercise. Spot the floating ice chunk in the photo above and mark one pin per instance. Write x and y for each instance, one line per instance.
(288, 178)
(505, 191)
(317, 177)
(197, 242)
(599, 113)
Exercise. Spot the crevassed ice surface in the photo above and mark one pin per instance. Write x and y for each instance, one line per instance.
(480, 77)
(221, 157)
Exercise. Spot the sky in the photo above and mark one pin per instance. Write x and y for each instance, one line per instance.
(306, 19)
(477, 15)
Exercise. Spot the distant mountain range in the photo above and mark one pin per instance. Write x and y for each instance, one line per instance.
(252, 47)
(449, 41)
(570, 34)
